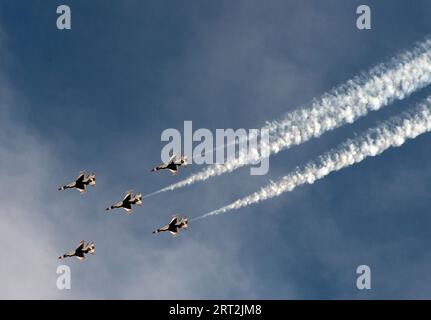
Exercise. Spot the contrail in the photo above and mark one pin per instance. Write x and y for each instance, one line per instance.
(392, 133)
(370, 91)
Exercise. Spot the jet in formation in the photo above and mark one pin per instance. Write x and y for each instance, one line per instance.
(130, 199)
(80, 251)
(81, 182)
(173, 164)
(127, 203)
(177, 223)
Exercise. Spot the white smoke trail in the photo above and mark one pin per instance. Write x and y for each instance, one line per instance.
(386, 82)
(392, 133)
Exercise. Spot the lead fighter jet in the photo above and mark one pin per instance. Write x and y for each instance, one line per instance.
(173, 164)
(80, 251)
(81, 182)
(128, 201)
(175, 225)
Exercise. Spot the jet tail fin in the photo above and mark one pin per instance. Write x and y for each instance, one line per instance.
(91, 247)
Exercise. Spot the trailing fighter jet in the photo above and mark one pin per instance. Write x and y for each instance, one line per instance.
(80, 251)
(173, 164)
(128, 201)
(175, 225)
(81, 182)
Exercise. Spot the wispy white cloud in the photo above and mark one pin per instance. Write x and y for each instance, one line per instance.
(27, 269)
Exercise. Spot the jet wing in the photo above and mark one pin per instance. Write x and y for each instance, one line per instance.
(80, 246)
(173, 221)
(127, 206)
(128, 196)
(81, 177)
(172, 159)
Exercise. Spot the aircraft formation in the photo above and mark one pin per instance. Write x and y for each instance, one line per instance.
(130, 199)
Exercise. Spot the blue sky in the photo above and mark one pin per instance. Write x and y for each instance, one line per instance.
(97, 97)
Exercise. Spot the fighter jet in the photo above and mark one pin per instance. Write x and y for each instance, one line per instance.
(81, 182)
(128, 201)
(175, 225)
(173, 164)
(80, 251)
